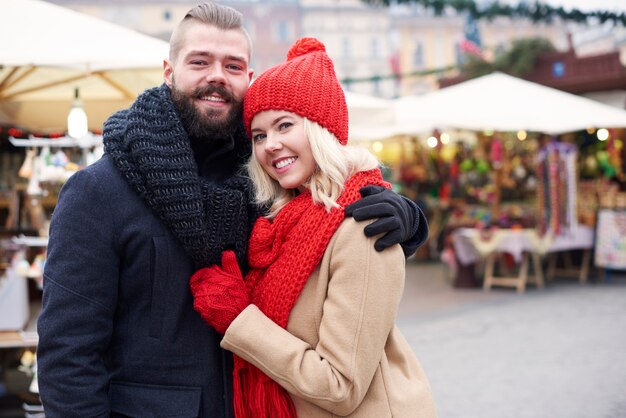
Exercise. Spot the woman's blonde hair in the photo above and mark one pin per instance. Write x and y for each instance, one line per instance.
(336, 163)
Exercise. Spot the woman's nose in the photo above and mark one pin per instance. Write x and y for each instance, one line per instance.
(272, 143)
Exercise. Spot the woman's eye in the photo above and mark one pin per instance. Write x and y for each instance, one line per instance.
(284, 125)
(258, 137)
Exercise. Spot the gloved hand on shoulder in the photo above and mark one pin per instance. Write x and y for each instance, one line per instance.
(219, 293)
(398, 218)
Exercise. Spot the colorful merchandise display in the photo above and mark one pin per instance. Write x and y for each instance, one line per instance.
(611, 239)
(556, 188)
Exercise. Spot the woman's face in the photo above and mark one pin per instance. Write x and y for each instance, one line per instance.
(282, 148)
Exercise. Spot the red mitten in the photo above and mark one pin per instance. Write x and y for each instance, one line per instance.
(219, 293)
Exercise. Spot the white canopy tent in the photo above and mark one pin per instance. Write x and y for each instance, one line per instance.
(500, 102)
(369, 117)
(49, 50)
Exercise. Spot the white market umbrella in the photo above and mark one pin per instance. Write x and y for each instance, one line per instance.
(501, 102)
(48, 51)
(414, 115)
(369, 117)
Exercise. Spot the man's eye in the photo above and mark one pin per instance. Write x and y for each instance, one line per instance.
(197, 62)
(234, 67)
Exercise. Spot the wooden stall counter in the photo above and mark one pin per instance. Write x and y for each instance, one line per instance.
(524, 245)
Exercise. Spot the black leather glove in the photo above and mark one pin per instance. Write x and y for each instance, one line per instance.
(420, 231)
(399, 218)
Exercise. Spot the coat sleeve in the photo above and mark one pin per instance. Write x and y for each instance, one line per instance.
(364, 292)
(79, 298)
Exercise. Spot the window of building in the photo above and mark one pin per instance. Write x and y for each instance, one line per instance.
(418, 55)
(459, 54)
(375, 48)
(376, 85)
(282, 31)
(346, 48)
(558, 69)
(250, 28)
(500, 48)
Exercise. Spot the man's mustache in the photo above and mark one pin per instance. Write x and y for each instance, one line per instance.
(211, 89)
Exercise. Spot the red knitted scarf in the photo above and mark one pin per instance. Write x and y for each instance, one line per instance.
(282, 256)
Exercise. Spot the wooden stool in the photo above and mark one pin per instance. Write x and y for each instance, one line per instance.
(522, 278)
(569, 270)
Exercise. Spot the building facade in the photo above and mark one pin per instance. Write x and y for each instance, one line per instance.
(381, 51)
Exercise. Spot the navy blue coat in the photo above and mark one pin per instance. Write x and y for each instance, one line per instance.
(118, 333)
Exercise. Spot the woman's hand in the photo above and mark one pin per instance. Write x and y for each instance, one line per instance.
(219, 293)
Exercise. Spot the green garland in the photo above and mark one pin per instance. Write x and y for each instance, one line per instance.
(536, 11)
(420, 73)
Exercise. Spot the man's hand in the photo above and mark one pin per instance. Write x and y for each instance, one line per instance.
(399, 219)
(219, 293)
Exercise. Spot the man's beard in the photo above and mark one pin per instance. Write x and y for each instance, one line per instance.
(207, 125)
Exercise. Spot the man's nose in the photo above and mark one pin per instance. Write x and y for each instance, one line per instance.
(216, 75)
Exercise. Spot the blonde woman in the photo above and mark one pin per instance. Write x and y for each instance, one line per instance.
(312, 326)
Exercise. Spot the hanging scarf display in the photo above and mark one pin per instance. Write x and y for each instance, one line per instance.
(542, 213)
(555, 192)
(572, 188)
(282, 256)
(556, 189)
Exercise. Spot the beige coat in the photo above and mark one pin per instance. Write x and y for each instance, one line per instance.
(341, 354)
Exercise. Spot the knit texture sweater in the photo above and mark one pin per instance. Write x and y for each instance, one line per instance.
(152, 150)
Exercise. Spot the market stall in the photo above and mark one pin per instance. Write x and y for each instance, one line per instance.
(54, 50)
(505, 153)
(47, 74)
(503, 103)
(54, 63)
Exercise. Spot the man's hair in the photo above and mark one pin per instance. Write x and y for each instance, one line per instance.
(212, 14)
(336, 163)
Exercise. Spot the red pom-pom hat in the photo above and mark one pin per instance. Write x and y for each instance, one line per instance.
(304, 84)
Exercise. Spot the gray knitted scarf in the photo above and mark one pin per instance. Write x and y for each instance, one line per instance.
(150, 147)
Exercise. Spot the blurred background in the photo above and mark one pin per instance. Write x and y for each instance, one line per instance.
(505, 121)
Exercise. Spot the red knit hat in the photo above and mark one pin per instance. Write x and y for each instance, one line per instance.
(305, 84)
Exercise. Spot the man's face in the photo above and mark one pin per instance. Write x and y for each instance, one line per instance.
(209, 78)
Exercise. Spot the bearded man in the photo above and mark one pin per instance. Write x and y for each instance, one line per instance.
(118, 335)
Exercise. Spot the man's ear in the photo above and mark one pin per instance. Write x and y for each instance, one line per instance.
(250, 74)
(168, 71)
